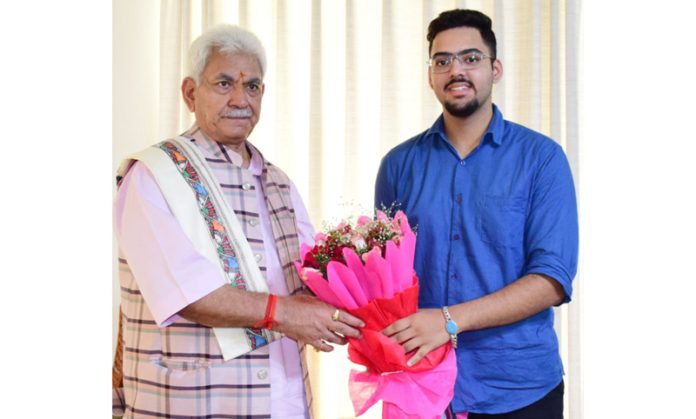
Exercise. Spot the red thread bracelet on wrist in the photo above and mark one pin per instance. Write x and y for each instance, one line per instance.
(269, 319)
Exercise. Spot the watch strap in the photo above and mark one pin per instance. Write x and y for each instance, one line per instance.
(450, 326)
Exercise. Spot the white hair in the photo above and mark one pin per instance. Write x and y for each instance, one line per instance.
(227, 39)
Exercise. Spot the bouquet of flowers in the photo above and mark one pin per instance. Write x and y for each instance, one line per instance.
(367, 270)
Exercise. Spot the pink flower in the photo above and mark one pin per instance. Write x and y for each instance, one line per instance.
(364, 219)
(358, 242)
(320, 238)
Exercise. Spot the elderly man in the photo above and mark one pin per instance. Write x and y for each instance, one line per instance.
(213, 313)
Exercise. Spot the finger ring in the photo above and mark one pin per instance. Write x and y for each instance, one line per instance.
(335, 315)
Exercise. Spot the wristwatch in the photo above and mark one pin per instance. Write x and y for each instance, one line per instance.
(450, 326)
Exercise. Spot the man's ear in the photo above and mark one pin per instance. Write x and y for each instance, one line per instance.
(497, 70)
(188, 91)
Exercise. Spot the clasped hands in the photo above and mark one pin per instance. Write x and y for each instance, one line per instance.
(308, 320)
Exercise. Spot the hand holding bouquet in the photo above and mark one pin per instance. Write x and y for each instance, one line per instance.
(367, 270)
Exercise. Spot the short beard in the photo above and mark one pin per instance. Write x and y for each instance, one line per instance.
(463, 111)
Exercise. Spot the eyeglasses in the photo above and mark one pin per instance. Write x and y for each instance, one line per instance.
(442, 62)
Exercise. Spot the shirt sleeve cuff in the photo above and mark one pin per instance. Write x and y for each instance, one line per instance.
(552, 269)
(170, 273)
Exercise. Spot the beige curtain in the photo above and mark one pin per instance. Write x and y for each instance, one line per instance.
(346, 81)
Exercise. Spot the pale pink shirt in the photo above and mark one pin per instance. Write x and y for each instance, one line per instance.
(177, 275)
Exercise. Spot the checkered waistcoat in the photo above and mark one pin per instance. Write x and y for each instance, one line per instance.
(178, 371)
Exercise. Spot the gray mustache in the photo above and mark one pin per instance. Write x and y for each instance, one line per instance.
(238, 113)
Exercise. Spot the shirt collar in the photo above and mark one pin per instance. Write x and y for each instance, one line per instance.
(256, 162)
(496, 128)
(494, 133)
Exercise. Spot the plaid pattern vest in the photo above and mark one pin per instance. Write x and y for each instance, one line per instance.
(178, 371)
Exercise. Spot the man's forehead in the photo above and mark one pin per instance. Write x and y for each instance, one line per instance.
(459, 39)
(240, 75)
(234, 64)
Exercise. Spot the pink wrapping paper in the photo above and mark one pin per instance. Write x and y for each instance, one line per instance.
(413, 395)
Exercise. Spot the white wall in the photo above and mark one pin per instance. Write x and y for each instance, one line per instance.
(638, 183)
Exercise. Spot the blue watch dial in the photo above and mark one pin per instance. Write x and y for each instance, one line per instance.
(451, 327)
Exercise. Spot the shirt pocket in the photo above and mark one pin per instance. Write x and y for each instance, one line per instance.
(501, 220)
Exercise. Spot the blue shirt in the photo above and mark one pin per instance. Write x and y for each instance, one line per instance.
(506, 210)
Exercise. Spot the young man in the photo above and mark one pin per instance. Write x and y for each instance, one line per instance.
(495, 207)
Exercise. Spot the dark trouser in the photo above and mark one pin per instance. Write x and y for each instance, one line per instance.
(549, 407)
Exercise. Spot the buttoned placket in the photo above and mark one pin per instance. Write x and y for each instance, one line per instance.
(461, 186)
